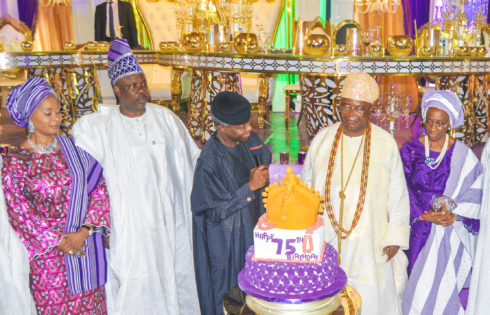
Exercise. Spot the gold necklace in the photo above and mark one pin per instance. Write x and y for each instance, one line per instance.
(341, 232)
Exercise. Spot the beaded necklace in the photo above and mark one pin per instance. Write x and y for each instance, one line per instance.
(341, 232)
(430, 162)
(43, 149)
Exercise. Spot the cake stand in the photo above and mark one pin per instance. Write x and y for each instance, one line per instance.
(320, 307)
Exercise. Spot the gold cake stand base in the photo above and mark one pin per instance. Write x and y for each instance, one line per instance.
(321, 307)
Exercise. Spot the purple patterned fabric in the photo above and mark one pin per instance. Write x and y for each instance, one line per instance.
(24, 99)
(292, 283)
(37, 193)
(447, 101)
(422, 184)
(121, 61)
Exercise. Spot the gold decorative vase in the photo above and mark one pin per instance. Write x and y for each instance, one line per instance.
(246, 43)
(341, 50)
(168, 45)
(225, 46)
(482, 51)
(316, 41)
(194, 41)
(426, 51)
(375, 49)
(462, 51)
(316, 44)
(399, 45)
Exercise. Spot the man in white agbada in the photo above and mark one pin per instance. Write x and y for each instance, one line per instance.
(358, 167)
(148, 159)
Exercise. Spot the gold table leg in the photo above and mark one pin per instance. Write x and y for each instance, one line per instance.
(204, 87)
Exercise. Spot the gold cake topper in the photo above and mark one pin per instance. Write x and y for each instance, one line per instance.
(292, 204)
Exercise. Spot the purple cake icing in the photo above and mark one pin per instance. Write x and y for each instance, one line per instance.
(288, 282)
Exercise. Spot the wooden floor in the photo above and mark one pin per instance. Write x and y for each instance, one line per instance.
(277, 137)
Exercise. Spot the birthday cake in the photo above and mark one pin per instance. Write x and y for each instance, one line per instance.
(290, 261)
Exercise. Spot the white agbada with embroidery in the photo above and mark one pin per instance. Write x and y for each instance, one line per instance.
(478, 299)
(15, 294)
(384, 220)
(148, 165)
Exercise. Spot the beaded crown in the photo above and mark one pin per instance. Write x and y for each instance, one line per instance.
(291, 204)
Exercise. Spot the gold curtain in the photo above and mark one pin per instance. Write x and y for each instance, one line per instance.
(393, 25)
(54, 26)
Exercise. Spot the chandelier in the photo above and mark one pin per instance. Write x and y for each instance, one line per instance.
(376, 6)
(53, 3)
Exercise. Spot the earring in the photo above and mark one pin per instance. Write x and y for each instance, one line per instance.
(30, 127)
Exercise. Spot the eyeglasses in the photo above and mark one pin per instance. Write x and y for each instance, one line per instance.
(136, 86)
(438, 124)
(359, 111)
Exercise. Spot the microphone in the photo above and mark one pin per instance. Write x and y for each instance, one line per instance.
(258, 159)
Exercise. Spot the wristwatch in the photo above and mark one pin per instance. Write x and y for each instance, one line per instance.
(89, 228)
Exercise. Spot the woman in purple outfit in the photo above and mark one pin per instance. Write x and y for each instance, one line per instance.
(442, 239)
(57, 204)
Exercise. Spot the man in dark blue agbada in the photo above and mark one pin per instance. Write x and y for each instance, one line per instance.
(226, 201)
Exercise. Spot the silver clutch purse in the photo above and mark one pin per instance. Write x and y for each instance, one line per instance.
(437, 200)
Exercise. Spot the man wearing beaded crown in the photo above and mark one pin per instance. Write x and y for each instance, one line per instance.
(357, 166)
(148, 158)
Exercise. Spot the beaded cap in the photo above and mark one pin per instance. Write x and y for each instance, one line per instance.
(121, 61)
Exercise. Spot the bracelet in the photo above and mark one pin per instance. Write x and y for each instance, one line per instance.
(89, 228)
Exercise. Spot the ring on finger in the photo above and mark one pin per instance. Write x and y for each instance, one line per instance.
(70, 252)
(77, 254)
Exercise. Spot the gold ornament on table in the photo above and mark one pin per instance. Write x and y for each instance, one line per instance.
(194, 41)
(375, 49)
(92, 45)
(168, 45)
(341, 50)
(316, 42)
(399, 45)
(103, 45)
(225, 46)
(246, 43)
(482, 51)
(426, 51)
(69, 45)
(462, 51)
(26, 45)
(474, 51)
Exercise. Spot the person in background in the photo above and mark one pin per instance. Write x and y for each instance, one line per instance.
(226, 201)
(148, 158)
(444, 181)
(57, 203)
(357, 166)
(114, 19)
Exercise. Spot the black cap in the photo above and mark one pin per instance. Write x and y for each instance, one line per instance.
(231, 108)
